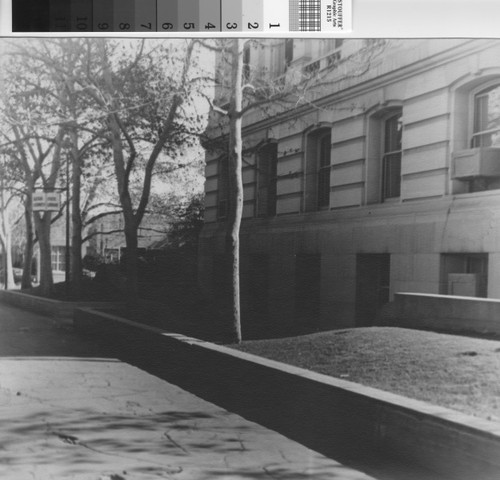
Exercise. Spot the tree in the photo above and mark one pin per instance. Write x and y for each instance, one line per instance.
(142, 93)
(96, 100)
(271, 92)
(57, 62)
(9, 215)
(33, 143)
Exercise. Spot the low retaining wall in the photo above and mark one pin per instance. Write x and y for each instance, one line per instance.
(62, 312)
(324, 413)
(445, 313)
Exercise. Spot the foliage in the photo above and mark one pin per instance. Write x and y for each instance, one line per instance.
(92, 261)
(117, 110)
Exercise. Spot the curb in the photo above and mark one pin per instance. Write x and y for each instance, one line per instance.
(449, 313)
(61, 312)
(326, 414)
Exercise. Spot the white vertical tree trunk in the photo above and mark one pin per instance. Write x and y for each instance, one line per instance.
(235, 185)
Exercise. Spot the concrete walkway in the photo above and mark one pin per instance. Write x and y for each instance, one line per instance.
(69, 412)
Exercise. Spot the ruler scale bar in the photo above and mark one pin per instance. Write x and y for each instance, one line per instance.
(123, 15)
(81, 16)
(182, 16)
(210, 16)
(102, 16)
(145, 15)
(189, 13)
(166, 16)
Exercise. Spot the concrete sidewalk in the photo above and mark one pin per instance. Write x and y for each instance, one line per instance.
(69, 412)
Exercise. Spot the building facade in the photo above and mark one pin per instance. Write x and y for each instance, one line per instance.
(389, 183)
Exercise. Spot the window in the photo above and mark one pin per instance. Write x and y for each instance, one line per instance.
(318, 166)
(246, 62)
(384, 155)
(486, 128)
(373, 281)
(476, 136)
(267, 180)
(329, 44)
(324, 147)
(391, 159)
(223, 187)
(58, 258)
(112, 255)
(288, 52)
(464, 274)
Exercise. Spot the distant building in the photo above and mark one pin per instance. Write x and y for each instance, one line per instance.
(392, 185)
(106, 239)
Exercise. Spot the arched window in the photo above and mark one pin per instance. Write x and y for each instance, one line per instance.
(384, 155)
(318, 167)
(476, 136)
(324, 152)
(391, 157)
(486, 119)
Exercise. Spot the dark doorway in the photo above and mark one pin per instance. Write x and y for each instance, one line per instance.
(257, 301)
(307, 290)
(373, 273)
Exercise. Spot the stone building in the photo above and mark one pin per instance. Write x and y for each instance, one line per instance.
(389, 183)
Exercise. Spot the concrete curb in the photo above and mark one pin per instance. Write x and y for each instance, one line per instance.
(449, 313)
(321, 412)
(61, 312)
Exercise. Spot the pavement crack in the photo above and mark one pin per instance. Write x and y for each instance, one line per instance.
(242, 445)
(72, 440)
(284, 457)
(67, 438)
(173, 442)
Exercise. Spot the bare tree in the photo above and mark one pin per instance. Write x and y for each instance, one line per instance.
(9, 215)
(272, 91)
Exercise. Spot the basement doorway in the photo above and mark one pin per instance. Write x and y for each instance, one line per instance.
(373, 274)
(307, 291)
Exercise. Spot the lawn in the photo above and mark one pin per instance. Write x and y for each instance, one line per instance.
(453, 371)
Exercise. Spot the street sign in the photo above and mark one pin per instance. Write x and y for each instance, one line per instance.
(46, 201)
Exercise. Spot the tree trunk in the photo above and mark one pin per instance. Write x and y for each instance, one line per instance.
(5, 240)
(10, 283)
(28, 248)
(76, 220)
(42, 226)
(235, 186)
(131, 260)
(8, 275)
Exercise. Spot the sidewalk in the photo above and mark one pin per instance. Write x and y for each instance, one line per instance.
(69, 412)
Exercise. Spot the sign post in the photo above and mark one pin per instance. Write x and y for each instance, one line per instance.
(50, 201)
(46, 201)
